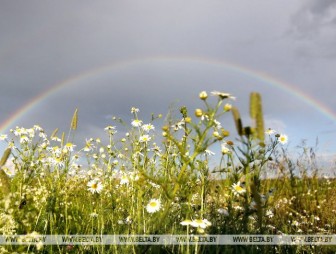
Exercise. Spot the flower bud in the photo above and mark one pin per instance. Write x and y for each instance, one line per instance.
(227, 107)
(187, 119)
(203, 95)
(225, 133)
(198, 112)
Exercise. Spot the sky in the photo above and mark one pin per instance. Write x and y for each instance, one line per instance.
(104, 57)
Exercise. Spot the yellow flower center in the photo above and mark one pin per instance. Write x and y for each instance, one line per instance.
(153, 204)
(239, 188)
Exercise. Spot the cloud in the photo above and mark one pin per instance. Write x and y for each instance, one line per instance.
(313, 28)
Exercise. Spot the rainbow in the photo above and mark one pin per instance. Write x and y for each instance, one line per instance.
(241, 70)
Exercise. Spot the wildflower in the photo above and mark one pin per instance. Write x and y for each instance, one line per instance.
(95, 186)
(227, 107)
(109, 128)
(136, 123)
(134, 110)
(19, 131)
(9, 168)
(94, 214)
(295, 223)
(153, 206)
(56, 139)
(237, 188)
(269, 214)
(69, 147)
(223, 95)
(3, 137)
(208, 152)
(199, 223)
(124, 180)
(225, 149)
(205, 117)
(269, 131)
(148, 127)
(24, 139)
(283, 139)
(218, 124)
(57, 162)
(38, 128)
(203, 95)
(31, 133)
(223, 211)
(186, 222)
(253, 205)
(144, 138)
(178, 125)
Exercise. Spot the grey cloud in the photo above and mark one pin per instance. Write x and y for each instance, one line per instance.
(47, 42)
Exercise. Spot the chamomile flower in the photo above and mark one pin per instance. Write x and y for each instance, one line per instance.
(223, 211)
(124, 179)
(24, 139)
(144, 138)
(225, 149)
(283, 139)
(237, 188)
(109, 128)
(153, 206)
(136, 123)
(223, 95)
(95, 186)
(186, 222)
(148, 127)
(269, 131)
(134, 110)
(69, 147)
(200, 223)
(3, 137)
(208, 152)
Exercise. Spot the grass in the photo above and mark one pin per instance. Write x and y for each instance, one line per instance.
(147, 180)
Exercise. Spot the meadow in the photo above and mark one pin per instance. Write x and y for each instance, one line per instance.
(188, 176)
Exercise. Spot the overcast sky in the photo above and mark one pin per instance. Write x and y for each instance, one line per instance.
(170, 51)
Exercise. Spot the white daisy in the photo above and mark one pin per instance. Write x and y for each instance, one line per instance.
(136, 123)
(223, 95)
(153, 206)
(134, 110)
(269, 131)
(225, 149)
(186, 222)
(208, 152)
(237, 188)
(223, 211)
(144, 138)
(69, 147)
(3, 137)
(283, 139)
(148, 127)
(95, 186)
(200, 223)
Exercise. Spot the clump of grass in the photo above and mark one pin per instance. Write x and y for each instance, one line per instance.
(158, 180)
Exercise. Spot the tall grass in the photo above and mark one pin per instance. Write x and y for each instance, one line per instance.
(152, 180)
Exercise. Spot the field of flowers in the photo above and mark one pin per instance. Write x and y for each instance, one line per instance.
(188, 176)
